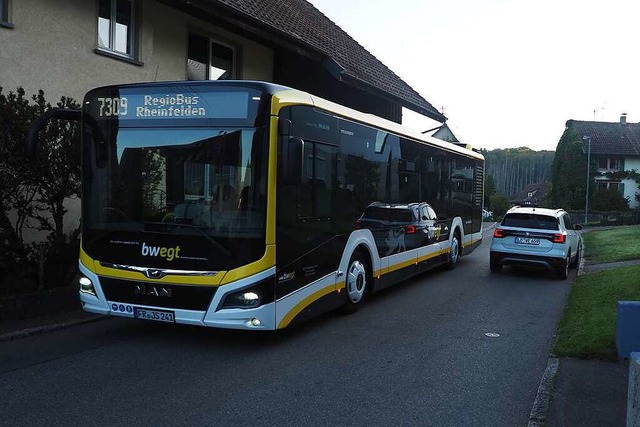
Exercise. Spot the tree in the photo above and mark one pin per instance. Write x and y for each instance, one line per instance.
(568, 172)
(56, 169)
(514, 168)
(500, 205)
(489, 191)
(17, 192)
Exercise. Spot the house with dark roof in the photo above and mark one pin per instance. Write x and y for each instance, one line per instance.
(442, 132)
(532, 195)
(615, 149)
(67, 48)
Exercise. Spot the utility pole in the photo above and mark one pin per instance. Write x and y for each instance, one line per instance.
(586, 201)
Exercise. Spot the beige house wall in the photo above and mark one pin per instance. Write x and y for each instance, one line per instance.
(52, 47)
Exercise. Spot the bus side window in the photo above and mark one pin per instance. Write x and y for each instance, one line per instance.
(314, 194)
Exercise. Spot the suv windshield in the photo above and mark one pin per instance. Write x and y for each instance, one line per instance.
(522, 220)
(179, 198)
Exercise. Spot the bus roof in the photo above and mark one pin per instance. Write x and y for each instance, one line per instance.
(294, 96)
(287, 95)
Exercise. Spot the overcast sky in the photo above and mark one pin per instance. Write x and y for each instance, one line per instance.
(507, 73)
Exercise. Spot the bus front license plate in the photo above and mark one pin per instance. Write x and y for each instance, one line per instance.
(157, 315)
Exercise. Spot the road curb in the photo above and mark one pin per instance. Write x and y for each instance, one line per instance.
(36, 330)
(540, 409)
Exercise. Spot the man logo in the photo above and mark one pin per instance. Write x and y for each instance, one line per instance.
(156, 291)
(154, 274)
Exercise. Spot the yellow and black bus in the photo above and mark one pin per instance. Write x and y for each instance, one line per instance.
(249, 205)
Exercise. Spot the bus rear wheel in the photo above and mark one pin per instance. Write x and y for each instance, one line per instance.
(356, 283)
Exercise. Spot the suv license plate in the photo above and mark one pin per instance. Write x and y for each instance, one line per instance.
(527, 240)
(157, 315)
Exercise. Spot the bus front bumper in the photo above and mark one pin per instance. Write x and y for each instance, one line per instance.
(93, 300)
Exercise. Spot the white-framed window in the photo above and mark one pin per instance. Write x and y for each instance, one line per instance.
(603, 162)
(209, 59)
(616, 163)
(117, 29)
(611, 185)
(611, 163)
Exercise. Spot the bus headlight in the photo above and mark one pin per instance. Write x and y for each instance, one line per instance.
(86, 286)
(242, 300)
(252, 296)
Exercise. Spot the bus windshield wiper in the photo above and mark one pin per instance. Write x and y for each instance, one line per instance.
(211, 240)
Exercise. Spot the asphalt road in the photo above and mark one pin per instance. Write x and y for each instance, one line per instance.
(416, 354)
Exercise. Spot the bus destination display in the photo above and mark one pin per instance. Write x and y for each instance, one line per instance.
(141, 106)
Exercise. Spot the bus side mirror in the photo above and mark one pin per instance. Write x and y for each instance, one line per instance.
(292, 162)
(38, 124)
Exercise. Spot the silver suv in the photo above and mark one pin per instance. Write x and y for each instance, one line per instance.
(538, 237)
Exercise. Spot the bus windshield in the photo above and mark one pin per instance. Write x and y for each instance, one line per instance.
(175, 198)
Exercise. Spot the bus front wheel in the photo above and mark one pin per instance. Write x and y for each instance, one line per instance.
(356, 283)
(455, 251)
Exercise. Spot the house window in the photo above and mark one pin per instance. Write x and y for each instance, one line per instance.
(610, 185)
(117, 26)
(603, 163)
(4, 14)
(209, 59)
(611, 163)
(617, 186)
(616, 164)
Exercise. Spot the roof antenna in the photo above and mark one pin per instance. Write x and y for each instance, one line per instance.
(155, 78)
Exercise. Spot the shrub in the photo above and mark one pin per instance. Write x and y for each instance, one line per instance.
(32, 195)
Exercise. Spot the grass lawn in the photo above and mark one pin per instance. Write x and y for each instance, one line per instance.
(615, 244)
(588, 328)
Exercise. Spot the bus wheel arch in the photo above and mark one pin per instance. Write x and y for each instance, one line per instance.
(358, 279)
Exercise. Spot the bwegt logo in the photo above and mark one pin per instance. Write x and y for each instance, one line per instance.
(167, 253)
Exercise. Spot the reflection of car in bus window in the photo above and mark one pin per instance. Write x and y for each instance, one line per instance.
(399, 227)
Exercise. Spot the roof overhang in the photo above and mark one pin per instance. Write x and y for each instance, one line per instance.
(343, 75)
(232, 19)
